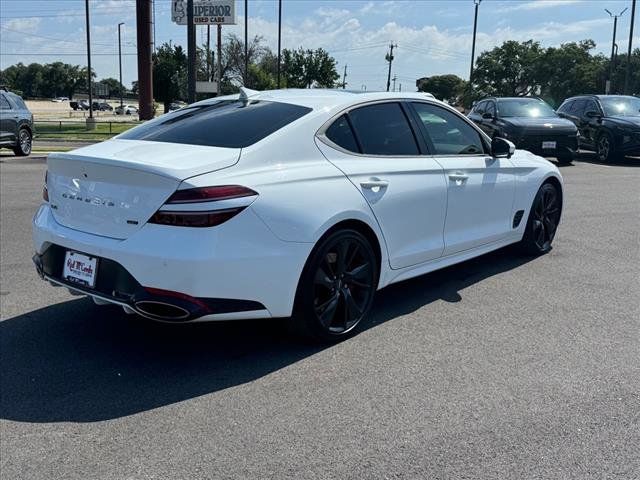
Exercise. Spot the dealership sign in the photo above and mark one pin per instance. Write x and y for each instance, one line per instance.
(205, 12)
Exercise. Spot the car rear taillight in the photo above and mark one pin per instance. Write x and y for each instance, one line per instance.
(190, 216)
(210, 194)
(45, 191)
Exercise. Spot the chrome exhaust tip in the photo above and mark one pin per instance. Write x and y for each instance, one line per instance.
(162, 310)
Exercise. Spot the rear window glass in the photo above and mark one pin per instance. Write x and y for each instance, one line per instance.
(226, 123)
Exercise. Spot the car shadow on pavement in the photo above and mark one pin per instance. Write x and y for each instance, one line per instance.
(77, 362)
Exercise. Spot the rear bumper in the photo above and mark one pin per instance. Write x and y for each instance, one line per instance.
(236, 270)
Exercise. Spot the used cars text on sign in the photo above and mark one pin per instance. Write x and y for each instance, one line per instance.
(205, 12)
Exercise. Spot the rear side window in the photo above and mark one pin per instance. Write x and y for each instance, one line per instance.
(19, 102)
(383, 129)
(4, 103)
(341, 134)
(226, 123)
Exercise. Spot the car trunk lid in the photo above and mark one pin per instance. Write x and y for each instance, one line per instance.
(112, 188)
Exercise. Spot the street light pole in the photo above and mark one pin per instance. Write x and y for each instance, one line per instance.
(627, 73)
(120, 60)
(279, 36)
(614, 48)
(86, 11)
(473, 42)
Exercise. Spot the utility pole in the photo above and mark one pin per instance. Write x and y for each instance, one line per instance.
(344, 78)
(394, 82)
(219, 59)
(614, 48)
(473, 42)
(279, 37)
(389, 58)
(90, 121)
(145, 60)
(246, 42)
(400, 88)
(208, 52)
(627, 73)
(154, 25)
(191, 54)
(120, 60)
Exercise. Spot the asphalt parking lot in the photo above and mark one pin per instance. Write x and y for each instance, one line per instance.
(502, 367)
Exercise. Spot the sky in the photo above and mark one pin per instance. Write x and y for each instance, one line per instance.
(433, 36)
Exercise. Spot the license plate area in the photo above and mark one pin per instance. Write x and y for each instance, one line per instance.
(80, 269)
(548, 145)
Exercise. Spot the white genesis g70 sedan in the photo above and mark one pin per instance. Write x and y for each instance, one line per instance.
(286, 203)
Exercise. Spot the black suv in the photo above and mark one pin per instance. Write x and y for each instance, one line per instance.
(16, 124)
(608, 124)
(530, 123)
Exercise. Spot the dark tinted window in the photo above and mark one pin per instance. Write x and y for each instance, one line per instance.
(591, 106)
(18, 102)
(227, 123)
(491, 108)
(4, 103)
(341, 134)
(480, 107)
(566, 106)
(577, 108)
(383, 129)
(449, 134)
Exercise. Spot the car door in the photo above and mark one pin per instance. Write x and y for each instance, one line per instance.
(575, 115)
(589, 125)
(380, 152)
(481, 188)
(489, 124)
(8, 120)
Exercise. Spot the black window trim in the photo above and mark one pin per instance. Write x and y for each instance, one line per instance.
(422, 146)
(486, 143)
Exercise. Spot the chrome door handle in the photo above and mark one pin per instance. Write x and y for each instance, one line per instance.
(374, 184)
(458, 177)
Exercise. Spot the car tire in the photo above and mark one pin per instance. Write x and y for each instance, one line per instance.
(24, 143)
(605, 148)
(543, 221)
(336, 288)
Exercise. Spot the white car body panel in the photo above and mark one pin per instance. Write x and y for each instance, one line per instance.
(422, 221)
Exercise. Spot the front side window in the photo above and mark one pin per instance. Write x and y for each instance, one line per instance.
(383, 129)
(225, 123)
(566, 106)
(491, 108)
(480, 107)
(449, 134)
(577, 109)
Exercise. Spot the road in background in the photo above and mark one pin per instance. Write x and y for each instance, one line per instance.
(501, 367)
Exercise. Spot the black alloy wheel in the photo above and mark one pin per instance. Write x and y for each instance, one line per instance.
(543, 220)
(337, 287)
(604, 147)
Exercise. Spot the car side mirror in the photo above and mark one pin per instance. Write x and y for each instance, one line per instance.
(501, 148)
(487, 116)
(592, 114)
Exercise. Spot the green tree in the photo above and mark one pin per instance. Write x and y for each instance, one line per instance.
(114, 86)
(444, 87)
(309, 68)
(513, 69)
(169, 74)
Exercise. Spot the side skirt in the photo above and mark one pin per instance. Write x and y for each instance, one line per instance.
(393, 276)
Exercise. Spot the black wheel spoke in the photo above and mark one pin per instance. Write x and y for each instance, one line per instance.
(351, 307)
(327, 310)
(322, 278)
(342, 250)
